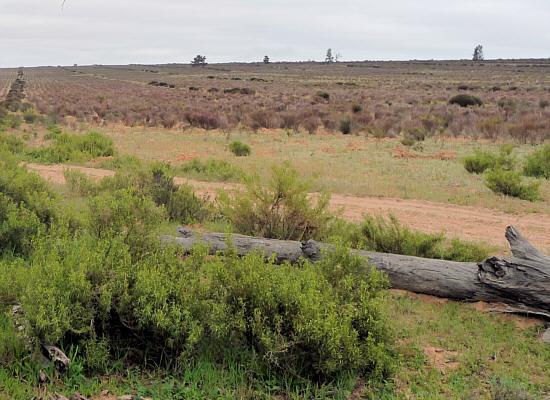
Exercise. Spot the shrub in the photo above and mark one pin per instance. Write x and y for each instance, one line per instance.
(408, 141)
(79, 183)
(30, 117)
(510, 183)
(544, 104)
(239, 149)
(356, 108)
(217, 170)
(18, 227)
(312, 321)
(281, 210)
(12, 348)
(537, 164)
(12, 144)
(390, 236)
(71, 147)
(466, 100)
(323, 95)
(127, 215)
(346, 125)
(156, 182)
(479, 162)
(26, 188)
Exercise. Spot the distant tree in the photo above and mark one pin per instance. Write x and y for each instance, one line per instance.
(338, 57)
(199, 61)
(329, 57)
(478, 53)
(266, 60)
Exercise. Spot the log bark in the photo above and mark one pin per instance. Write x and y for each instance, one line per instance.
(522, 283)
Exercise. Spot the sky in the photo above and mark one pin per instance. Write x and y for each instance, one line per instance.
(42, 32)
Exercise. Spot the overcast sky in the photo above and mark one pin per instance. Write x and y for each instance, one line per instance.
(40, 32)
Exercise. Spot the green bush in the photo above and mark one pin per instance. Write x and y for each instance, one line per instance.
(217, 170)
(27, 206)
(482, 161)
(79, 183)
(390, 236)
(71, 147)
(280, 210)
(12, 348)
(466, 100)
(128, 215)
(314, 321)
(479, 162)
(12, 144)
(239, 149)
(538, 163)
(510, 183)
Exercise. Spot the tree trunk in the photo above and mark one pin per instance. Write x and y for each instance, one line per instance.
(522, 283)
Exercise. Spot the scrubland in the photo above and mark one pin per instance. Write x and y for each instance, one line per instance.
(83, 265)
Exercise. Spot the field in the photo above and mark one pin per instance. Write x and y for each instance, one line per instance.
(380, 137)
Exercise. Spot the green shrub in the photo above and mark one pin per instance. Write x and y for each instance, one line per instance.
(79, 183)
(12, 121)
(314, 321)
(217, 170)
(390, 236)
(346, 125)
(479, 162)
(30, 117)
(482, 161)
(128, 215)
(27, 207)
(280, 210)
(239, 149)
(71, 147)
(510, 183)
(122, 162)
(408, 141)
(537, 164)
(466, 100)
(12, 144)
(18, 227)
(12, 348)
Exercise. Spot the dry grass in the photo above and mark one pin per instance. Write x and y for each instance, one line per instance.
(341, 164)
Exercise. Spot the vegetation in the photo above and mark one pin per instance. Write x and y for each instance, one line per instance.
(72, 147)
(510, 183)
(390, 236)
(482, 161)
(280, 210)
(466, 100)
(538, 163)
(239, 149)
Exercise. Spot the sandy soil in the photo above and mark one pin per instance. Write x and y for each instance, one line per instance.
(469, 223)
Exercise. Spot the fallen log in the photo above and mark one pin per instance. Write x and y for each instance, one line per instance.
(522, 282)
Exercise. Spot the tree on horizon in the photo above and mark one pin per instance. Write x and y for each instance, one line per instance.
(478, 53)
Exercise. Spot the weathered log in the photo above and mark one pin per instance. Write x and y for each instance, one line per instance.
(522, 283)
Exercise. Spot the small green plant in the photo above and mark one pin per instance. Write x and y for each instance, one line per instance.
(408, 140)
(280, 210)
(537, 164)
(510, 183)
(217, 170)
(239, 149)
(79, 183)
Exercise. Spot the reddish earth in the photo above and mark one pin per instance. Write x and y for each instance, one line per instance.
(468, 223)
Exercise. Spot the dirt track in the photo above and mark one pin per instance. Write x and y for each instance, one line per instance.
(469, 223)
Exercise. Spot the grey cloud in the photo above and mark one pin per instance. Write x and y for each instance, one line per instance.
(39, 32)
